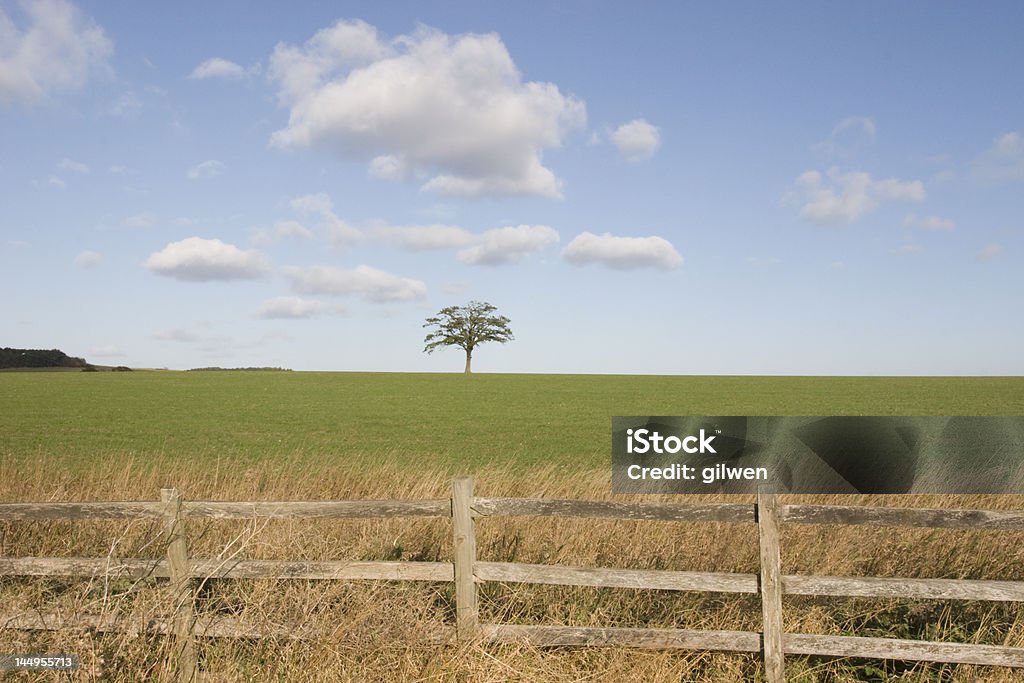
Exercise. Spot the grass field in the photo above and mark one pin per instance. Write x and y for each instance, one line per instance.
(283, 435)
(444, 420)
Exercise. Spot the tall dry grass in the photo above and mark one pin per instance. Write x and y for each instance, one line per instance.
(384, 631)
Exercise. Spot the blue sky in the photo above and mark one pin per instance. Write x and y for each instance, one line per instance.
(834, 188)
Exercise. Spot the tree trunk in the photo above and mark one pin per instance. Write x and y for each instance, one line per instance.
(469, 362)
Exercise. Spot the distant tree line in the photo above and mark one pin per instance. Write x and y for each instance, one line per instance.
(38, 358)
(216, 368)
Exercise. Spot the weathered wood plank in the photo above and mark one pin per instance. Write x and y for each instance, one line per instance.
(183, 617)
(215, 627)
(234, 569)
(915, 650)
(903, 517)
(665, 512)
(771, 586)
(58, 621)
(45, 511)
(650, 638)
(467, 612)
(872, 587)
(616, 578)
(334, 569)
(323, 509)
(82, 566)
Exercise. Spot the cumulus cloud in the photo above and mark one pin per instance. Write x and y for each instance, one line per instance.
(511, 244)
(637, 140)
(848, 133)
(146, 219)
(1002, 161)
(369, 283)
(319, 205)
(293, 307)
(990, 252)
(281, 230)
(622, 253)
(452, 110)
(88, 259)
(389, 167)
(73, 166)
(217, 67)
(865, 125)
(56, 48)
(196, 259)
(423, 237)
(837, 197)
(127, 105)
(912, 220)
(211, 168)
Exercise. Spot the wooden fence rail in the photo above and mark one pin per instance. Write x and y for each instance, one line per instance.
(466, 572)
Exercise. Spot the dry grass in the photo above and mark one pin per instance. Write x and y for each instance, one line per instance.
(381, 631)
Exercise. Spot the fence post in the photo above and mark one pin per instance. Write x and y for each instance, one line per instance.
(180, 571)
(467, 615)
(771, 585)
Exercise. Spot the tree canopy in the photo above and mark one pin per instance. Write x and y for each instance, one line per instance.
(38, 358)
(466, 327)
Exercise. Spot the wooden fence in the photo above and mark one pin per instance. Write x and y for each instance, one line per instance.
(466, 571)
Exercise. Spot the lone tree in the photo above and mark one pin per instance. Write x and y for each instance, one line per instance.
(466, 327)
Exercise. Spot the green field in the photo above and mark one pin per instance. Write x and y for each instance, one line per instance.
(242, 436)
(442, 420)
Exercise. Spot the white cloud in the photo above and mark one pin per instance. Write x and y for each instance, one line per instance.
(389, 167)
(282, 230)
(1002, 161)
(292, 229)
(57, 49)
(912, 220)
(73, 166)
(217, 68)
(451, 109)
(423, 237)
(146, 219)
(838, 197)
(54, 181)
(211, 168)
(88, 259)
(118, 169)
(865, 125)
(990, 252)
(318, 204)
(126, 105)
(293, 307)
(196, 259)
(339, 233)
(847, 134)
(500, 246)
(622, 253)
(372, 284)
(637, 140)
